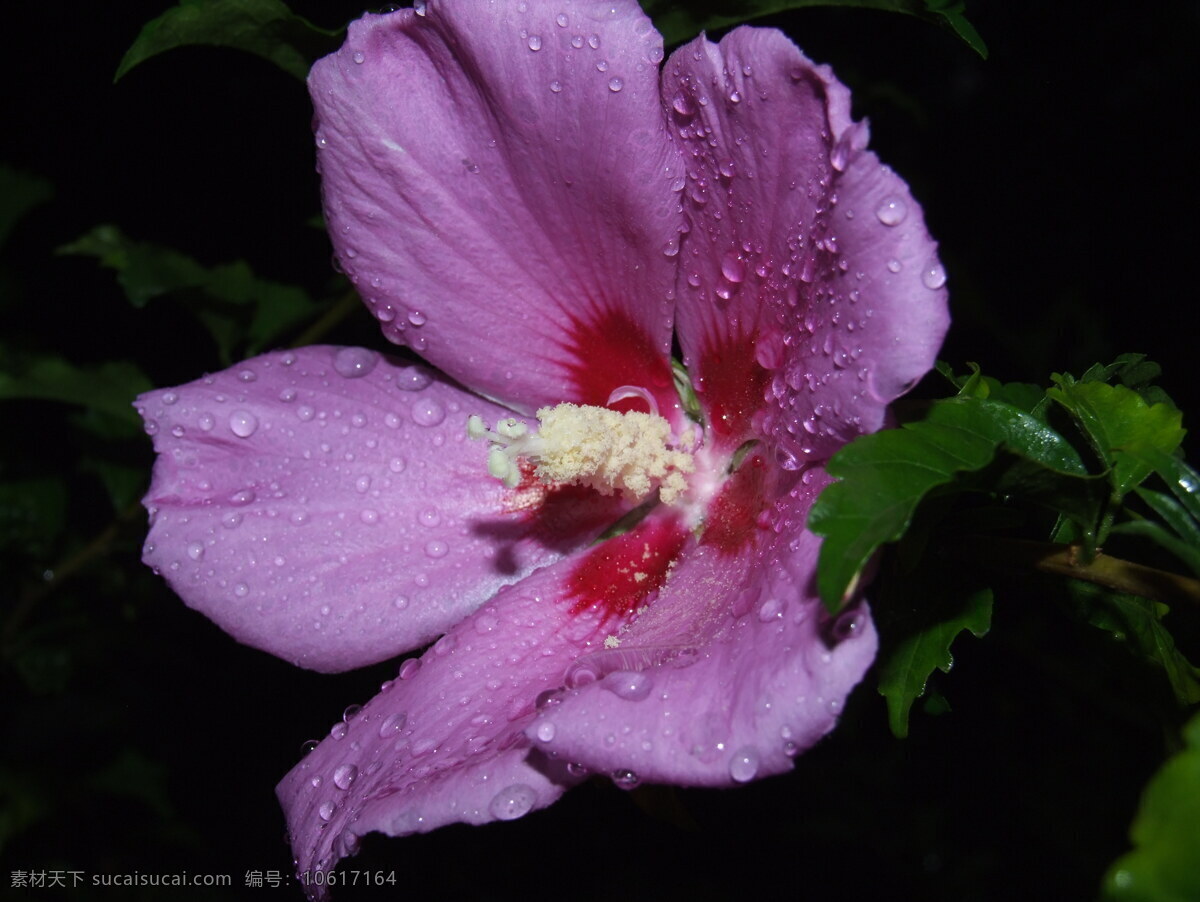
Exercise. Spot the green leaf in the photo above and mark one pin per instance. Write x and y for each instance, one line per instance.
(904, 671)
(1165, 833)
(678, 23)
(883, 477)
(1139, 623)
(33, 515)
(1134, 371)
(109, 388)
(1158, 534)
(243, 313)
(1182, 480)
(1116, 419)
(266, 28)
(20, 192)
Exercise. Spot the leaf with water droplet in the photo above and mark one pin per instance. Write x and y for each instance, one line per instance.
(1165, 833)
(885, 476)
(1116, 419)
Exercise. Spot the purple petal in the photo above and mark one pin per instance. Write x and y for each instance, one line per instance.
(733, 671)
(497, 186)
(445, 742)
(816, 244)
(325, 505)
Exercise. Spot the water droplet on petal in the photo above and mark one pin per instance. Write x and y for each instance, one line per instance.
(436, 549)
(627, 684)
(353, 363)
(409, 668)
(894, 266)
(615, 84)
(545, 731)
(195, 550)
(326, 811)
(626, 779)
(412, 378)
(535, 42)
(744, 765)
(359, 56)
(892, 211)
(242, 423)
(428, 412)
(512, 802)
(933, 276)
(733, 268)
(556, 86)
(561, 20)
(345, 775)
(392, 724)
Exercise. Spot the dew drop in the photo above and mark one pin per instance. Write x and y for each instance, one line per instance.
(326, 811)
(892, 211)
(894, 266)
(545, 731)
(625, 778)
(512, 802)
(392, 724)
(416, 317)
(615, 84)
(206, 422)
(733, 268)
(561, 20)
(744, 764)
(628, 684)
(436, 549)
(359, 56)
(400, 602)
(410, 668)
(556, 86)
(593, 41)
(412, 378)
(428, 412)
(535, 42)
(345, 775)
(242, 423)
(195, 550)
(353, 363)
(933, 276)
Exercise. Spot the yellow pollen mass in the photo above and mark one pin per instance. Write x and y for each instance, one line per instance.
(612, 452)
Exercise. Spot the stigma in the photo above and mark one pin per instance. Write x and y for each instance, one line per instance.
(632, 453)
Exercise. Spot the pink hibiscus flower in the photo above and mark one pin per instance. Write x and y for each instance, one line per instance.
(524, 199)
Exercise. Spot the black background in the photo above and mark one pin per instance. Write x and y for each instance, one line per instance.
(1060, 178)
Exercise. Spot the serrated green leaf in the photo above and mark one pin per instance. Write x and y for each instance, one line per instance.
(904, 671)
(1139, 622)
(1165, 833)
(242, 312)
(883, 477)
(109, 388)
(1134, 371)
(1116, 418)
(145, 271)
(678, 23)
(20, 192)
(266, 28)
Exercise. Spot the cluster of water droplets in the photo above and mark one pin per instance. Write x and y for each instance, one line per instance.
(282, 463)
